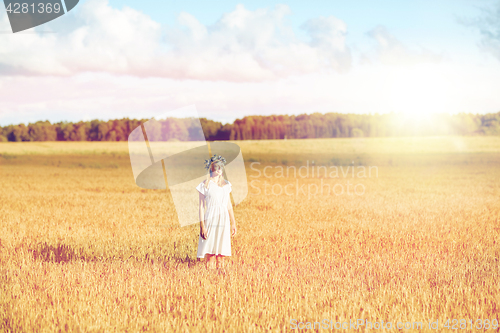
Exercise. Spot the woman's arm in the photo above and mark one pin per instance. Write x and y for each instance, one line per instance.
(201, 215)
(231, 217)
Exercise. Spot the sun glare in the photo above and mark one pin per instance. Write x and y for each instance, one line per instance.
(420, 92)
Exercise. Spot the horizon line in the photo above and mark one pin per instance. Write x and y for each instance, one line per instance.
(253, 115)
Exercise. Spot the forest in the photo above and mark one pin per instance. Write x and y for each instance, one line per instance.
(316, 125)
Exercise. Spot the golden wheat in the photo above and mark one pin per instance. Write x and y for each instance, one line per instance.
(82, 248)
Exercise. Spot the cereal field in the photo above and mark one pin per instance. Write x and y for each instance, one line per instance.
(394, 230)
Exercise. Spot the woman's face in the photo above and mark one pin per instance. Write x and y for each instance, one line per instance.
(217, 170)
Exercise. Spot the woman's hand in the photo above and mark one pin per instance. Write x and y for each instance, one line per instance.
(233, 229)
(203, 231)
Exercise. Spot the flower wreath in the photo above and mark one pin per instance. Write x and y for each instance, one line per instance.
(215, 158)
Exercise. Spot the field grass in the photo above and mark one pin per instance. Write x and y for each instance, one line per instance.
(82, 248)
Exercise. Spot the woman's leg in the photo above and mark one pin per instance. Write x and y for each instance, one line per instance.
(219, 261)
(210, 261)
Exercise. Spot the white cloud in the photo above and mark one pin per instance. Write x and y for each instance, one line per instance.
(242, 46)
(103, 39)
(391, 51)
(328, 36)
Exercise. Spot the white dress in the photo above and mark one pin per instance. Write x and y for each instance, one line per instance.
(217, 222)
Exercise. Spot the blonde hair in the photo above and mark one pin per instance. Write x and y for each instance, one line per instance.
(212, 168)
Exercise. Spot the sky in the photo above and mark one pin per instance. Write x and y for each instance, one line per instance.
(139, 59)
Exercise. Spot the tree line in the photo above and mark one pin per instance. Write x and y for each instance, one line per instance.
(316, 125)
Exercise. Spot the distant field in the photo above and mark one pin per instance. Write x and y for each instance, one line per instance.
(82, 248)
(365, 151)
(410, 145)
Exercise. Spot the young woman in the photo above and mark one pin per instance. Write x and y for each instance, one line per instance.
(217, 223)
